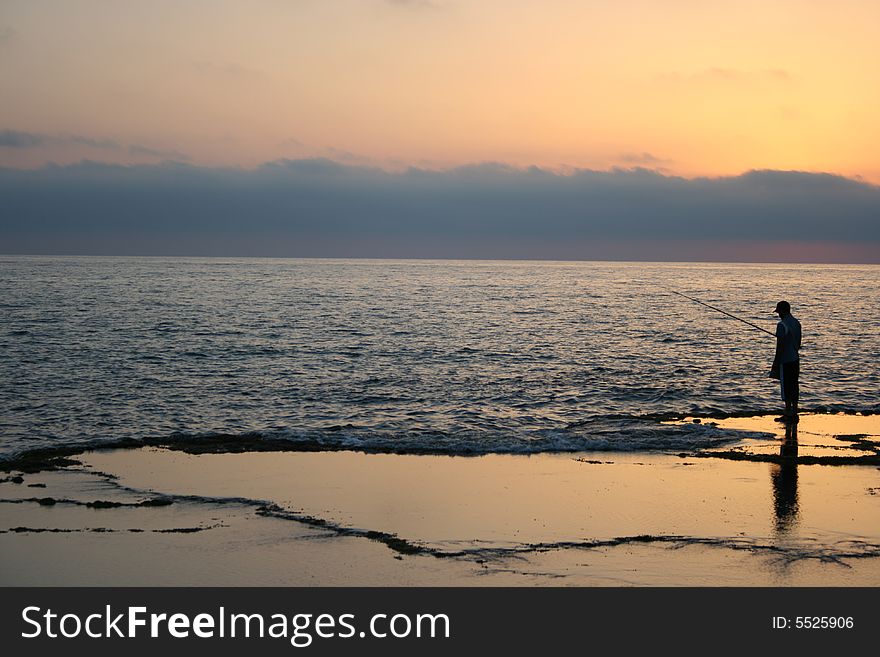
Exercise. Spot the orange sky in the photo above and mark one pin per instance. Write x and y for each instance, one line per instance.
(685, 86)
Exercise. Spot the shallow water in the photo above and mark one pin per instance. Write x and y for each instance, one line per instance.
(444, 356)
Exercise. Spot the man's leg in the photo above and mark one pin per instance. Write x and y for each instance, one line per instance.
(790, 389)
(782, 389)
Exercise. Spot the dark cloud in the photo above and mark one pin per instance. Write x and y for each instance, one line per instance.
(138, 150)
(319, 207)
(16, 139)
(78, 140)
(341, 155)
(643, 158)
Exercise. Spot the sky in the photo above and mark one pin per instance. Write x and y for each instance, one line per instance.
(588, 95)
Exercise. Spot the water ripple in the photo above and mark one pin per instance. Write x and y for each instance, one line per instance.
(489, 356)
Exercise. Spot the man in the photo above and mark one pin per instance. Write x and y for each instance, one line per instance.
(786, 364)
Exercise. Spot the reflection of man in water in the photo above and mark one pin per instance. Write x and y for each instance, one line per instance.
(784, 477)
(786, 364)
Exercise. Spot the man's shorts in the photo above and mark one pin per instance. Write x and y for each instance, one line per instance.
(788, 381)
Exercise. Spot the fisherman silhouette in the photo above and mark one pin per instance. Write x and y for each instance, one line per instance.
(786, 363)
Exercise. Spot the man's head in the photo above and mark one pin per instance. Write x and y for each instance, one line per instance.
(783, 308)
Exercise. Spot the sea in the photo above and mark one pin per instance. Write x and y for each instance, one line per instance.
(417, 356)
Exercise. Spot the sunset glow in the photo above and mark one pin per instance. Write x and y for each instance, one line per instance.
(685, 87)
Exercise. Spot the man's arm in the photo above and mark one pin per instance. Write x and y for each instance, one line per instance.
(780, 336)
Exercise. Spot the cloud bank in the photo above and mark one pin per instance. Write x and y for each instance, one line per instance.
(321, 208)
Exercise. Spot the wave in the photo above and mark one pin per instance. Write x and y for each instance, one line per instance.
(657, 432)
(625, 437)
(610, 433)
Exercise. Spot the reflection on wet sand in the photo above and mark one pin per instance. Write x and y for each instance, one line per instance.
(784, 477)
(829, 438)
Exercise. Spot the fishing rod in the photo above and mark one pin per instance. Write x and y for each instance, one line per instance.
(723, 312)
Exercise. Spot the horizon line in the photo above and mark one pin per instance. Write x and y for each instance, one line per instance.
(424, 259)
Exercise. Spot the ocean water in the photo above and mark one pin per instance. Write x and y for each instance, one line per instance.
(459, 357)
